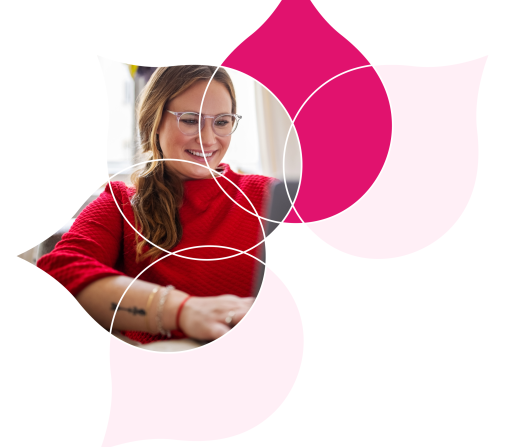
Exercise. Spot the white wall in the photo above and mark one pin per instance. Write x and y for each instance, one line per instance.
(275, 124)
(120, 90)
(243, 154)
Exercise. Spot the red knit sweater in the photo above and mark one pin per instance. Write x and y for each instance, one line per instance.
(101, 243)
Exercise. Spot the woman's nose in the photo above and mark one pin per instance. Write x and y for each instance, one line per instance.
(208, 136)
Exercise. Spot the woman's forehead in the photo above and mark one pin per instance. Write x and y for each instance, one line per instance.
(217, 99)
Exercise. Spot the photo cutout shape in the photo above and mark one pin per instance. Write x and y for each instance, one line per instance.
(223, 191)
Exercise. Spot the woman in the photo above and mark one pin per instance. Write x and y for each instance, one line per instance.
(176, 205)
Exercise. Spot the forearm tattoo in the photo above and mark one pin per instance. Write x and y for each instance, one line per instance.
(133, 310)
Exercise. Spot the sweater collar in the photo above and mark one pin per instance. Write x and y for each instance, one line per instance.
(206, 189)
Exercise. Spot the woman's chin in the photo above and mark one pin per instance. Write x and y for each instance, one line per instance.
(199, 173)
(190, 172)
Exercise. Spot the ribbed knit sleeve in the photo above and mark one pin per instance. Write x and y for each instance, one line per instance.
(92, 247)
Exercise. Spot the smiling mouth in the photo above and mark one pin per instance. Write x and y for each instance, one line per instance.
(200, 154)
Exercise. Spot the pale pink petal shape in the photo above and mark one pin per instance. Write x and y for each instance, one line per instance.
(429, 174)
(216, 391)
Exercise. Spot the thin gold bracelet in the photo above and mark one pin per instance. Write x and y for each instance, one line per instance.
(148, 304)
(159, 311)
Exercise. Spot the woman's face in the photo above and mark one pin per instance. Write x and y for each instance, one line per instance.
(175, 144)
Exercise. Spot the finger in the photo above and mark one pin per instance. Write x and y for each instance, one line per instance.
(238, 316)
(218, 330)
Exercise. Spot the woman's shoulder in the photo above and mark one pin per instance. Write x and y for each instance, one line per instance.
(250, 181)
(119, 188)
(115, 195)
(253, 183)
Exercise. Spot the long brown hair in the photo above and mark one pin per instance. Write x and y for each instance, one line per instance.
(159, 191)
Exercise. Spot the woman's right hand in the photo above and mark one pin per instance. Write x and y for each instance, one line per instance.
(208, 318)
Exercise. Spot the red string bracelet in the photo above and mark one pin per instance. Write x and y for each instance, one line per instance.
(179, 311)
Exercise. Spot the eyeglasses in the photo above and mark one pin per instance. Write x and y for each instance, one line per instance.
(223, 125)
